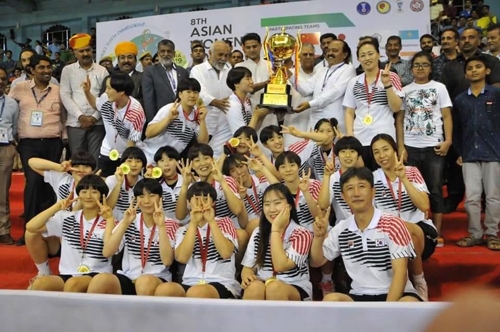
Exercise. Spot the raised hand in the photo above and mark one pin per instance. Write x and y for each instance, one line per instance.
(320, 225)
(104, 210)
(329, 164)
(185, 168)
(338, 133)
(149, 172)
(131, 213)
(86, 85)
(67, 166)
(196, 214)
(248, 280)
(400, 168)
(159, 214)
(304, 180)
(202, 112)
(174, 111)
(402, 152)
(254, 164)
(254, 148)
(386, 76)
(241, 188)
(65, 204)
(282, 219)
(216, 173)
(291, 130)
(260, 112)
(208, 210)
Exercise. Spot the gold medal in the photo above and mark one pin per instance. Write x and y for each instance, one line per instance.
(368, 119)
(83, 269)
(202, 282)
(156, 172)
(125, 168)
(234, 142)
(114, 155)
(270, 280)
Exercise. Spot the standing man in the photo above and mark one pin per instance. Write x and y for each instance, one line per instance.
(41, 127)
(54, 47)
(324, 41)
(454, 79)
(9, 114)
(478, 145)
(212, 77)
(159, 81)
(9, 65)
(25, 57)
(393, 48)
(85, 126)
(146, 60)
(197, 54)
(126, 53)
(236, 57)
(427, 43)
(449, 43)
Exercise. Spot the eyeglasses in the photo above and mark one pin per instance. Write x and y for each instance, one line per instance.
(421, 65)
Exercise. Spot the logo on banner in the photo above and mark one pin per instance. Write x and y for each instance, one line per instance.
(399, 4)
(417, 5)
(378, 37)
(364, 8)
(383, 7)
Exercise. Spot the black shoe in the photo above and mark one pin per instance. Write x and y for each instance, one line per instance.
(6, 239)
(20, 242)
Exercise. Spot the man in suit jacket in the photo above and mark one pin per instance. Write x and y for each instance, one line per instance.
(160, 81)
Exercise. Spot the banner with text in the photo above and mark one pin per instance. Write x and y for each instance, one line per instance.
(349, 20)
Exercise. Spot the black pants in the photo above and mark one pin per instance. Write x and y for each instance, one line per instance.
(38, 195)
(454, 177)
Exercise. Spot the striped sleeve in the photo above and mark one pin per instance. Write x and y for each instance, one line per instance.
(416, 178)
(227, 228)
(172, 227)
(397, 235)
(300, 244)
(396, 84)
(233, 185)
(314, 188)
(303, 149)
(136, 121)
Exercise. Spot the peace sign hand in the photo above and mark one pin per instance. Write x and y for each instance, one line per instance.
(196, 214)
(338, 133)
(291, 130)
(400, 168)
(216, 173)
(184, 168)
(254, 164)
(130, 213)
(65, 204)
(304, 181)
(329, 164)
(174, 111)
(159, 214)
(208, 210)
(104, 209)
(320, 225)
(386, 75)
(86, 85)
(66, 166)
(254, 149)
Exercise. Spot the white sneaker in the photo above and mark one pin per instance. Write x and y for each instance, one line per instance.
(32, 280)
(422, 290)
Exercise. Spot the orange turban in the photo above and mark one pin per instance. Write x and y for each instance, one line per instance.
(79, 40)
(126, 48)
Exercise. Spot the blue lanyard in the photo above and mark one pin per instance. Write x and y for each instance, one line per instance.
(327, 78)
(38, 102)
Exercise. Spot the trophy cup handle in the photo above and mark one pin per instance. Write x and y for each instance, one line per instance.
(299, 42)
(266, 52)
(298, 49)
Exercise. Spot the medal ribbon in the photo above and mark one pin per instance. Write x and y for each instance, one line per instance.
(83, 243)
(186, 116)
(369, 94)
(145, 255)
(400, 184)
(252, 204)
(203, 248)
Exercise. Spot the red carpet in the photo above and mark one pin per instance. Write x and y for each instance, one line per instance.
(448, 269)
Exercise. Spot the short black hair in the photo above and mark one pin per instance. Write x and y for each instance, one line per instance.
(37, 58)
(201, 189)
(452, 30)
(203, 149)
(384, 137)
(494, 27)
(231, 161)
(250, 36)
(287, 156)
(228, 42)
(134, 152)
(237, 51)
(327, 35)
(348, 143)
(332, 122)
(122, 82)
(374, 40)
(188, 84)
(427, 35)
(167, 150)
(248, 131)
(394, 37)
(235, 76)
(92, 181)
(152, 186)
(361, 173)
(268, 132)
(166, 42)
(83, 158)
(480, 58)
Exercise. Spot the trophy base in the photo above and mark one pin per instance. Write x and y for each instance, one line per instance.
(277, 98)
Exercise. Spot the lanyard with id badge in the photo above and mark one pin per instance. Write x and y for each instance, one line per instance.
(37, 115)
(4, 137)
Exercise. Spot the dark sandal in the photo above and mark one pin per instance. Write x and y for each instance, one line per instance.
(469, 241)
(493, 242)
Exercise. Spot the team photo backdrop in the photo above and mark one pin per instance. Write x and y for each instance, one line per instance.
(347, 19)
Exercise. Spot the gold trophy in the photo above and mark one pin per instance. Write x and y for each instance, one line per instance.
(278, 48)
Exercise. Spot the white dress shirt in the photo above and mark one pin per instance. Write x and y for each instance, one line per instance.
(327, 86)
(214, 86)
(72, 95)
